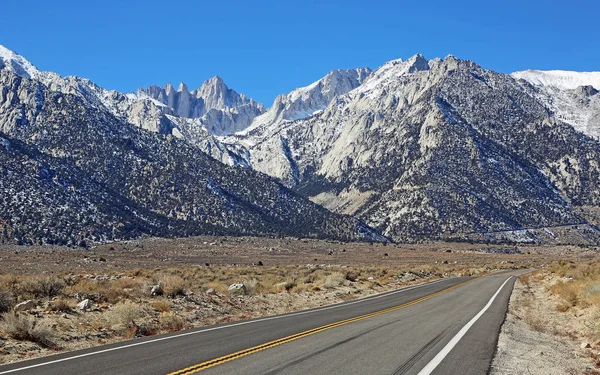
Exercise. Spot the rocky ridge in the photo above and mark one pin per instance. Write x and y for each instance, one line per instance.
(73, 172)
(439, 149)
(572, 96)
(419, 149)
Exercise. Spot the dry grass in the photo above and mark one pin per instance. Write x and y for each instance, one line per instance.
(568, 292)
(171, 322)
(575, 286)
(61, 305)
(124, 313)
(5, 302)
(162, 305)
(535, 321)
(579, 285)
(173, 285)
(42, 286)
(334, 280)
(26, 328)
(219, 287)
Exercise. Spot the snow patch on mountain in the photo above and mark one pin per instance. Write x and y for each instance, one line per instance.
(562, 79)
(305, 101)
(572, 96)
(17, 64)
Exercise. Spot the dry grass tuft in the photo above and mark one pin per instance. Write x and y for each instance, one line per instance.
(26, 328)
(173, 285)
(334, 280)
(123, 313)
(171, 322)
(162, 305)
(534, 321)
(568, 292)
(5, 302)
(60, 304)
(43, 286)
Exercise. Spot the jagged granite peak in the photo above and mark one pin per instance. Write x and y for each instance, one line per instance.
(222, 110)
(71, 170)
(572, 96)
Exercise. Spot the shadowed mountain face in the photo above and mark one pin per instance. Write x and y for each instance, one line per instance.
(71, 170)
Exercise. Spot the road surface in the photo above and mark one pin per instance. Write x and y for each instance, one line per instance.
(449, 326)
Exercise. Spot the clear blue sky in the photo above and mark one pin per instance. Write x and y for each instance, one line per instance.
(264, 48)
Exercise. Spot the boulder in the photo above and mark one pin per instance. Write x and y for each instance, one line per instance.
(85, 304)
(211, 292)
(238, 289)
(25, 306)
(156, 290)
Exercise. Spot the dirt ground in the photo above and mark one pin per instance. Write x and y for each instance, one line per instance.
(165, 253)
(279, 275)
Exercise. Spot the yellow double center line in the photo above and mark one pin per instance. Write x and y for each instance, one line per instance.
(242, 353)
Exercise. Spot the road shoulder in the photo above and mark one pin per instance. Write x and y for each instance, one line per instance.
(531, 340)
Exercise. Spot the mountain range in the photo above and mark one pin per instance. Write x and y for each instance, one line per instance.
(415, 150)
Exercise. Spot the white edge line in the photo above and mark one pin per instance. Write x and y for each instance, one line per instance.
(366, 299)
(428, 369)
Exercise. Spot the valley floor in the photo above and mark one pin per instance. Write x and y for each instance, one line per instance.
(273, 276)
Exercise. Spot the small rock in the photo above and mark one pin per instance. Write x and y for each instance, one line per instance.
(370, 278)
(585, 345)
(156, 290)
(25, 306)
(85, 304)
(238, 289)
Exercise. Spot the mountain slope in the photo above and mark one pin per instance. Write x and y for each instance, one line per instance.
(437, 149)
(572, 96)
(74, 164)
(306, 101)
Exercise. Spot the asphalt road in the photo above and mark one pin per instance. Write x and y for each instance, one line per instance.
(445, 327)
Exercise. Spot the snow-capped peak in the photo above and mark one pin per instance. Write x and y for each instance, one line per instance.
(561, 79)
(17, 64)
(309, 100)
(572, 96)
(391, 70)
